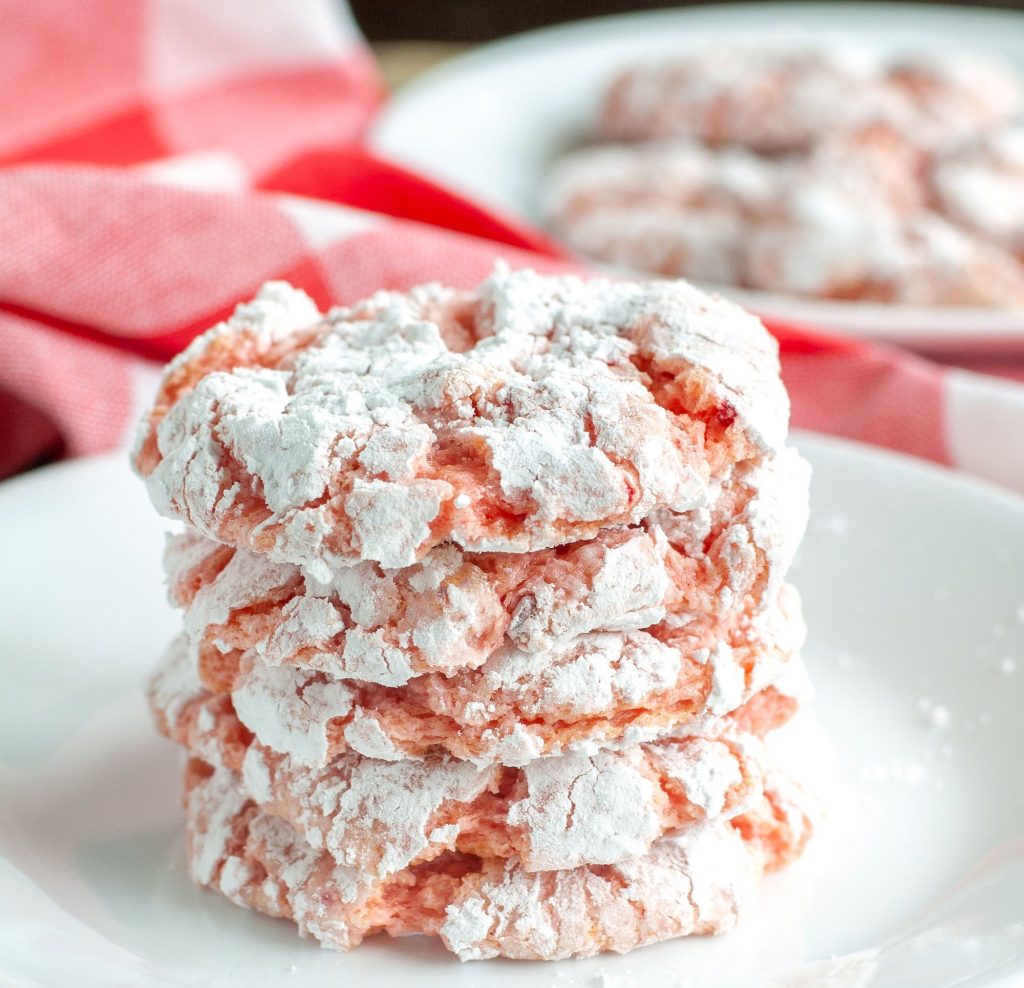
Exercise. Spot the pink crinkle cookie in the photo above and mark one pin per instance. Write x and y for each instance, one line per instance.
(560, 812)
(847, 222)
(788, 100)
(452, 609)
(484, 907)
(981, 186)
(531, 412)
(601, 689)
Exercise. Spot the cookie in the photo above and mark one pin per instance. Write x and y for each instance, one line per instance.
(954, 97)
(604, 688)
(453, 609)
(847, 222)
(923, 260)
(528, 413)
(559, 812)
(788, 100)
(692, 883)
(981, 187)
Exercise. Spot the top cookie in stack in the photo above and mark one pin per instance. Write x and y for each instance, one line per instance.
(509, 527)
(534, 412)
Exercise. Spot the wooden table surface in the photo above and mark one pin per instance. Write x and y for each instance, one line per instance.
(402, 60)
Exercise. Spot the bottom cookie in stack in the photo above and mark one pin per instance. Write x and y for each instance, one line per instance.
(692, 882)
(568, 855)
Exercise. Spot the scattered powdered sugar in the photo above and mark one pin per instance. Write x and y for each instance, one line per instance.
(935, 714)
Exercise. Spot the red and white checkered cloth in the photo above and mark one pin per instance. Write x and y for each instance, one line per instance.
(109, 265)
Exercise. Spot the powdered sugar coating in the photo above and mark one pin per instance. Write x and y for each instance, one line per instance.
(982, 187)
(558, 407)
(292, 711)
(693, 883)
(585, 810)
(451, 609)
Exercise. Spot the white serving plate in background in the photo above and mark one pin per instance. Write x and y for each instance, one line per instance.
(488, 123)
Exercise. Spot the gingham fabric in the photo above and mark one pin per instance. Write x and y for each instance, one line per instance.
(141, 196)
(124, 81)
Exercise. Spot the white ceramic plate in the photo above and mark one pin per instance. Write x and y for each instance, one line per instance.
(914, 587)
(488, 123)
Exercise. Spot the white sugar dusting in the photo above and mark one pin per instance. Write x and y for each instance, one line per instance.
(581, 810)
(289, 711)
(695, 883)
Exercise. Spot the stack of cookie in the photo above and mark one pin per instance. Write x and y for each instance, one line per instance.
(485, 613)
